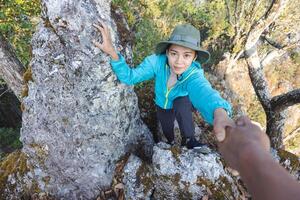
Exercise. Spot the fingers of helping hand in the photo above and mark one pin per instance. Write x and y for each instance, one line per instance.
(252, 128)
(257, 124)
(243, 120)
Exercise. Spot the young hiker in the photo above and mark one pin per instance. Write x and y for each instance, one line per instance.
(179, 82)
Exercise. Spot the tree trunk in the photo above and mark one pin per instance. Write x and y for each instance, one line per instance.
(273, 107)
(275, 120)
(11, 69)
(78, 119)
(10, 112)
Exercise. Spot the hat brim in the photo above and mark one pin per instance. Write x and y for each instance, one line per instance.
(203, 56)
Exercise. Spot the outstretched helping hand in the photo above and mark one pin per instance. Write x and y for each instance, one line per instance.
(246, 149)
(241, 139)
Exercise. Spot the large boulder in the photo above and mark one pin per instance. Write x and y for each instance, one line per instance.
(78, 119)
(178, 173)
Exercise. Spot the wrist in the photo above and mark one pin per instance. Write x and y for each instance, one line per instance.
(114, 55)
(249, 155)
(220, 111)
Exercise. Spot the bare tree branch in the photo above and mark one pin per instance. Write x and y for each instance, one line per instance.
(254, 11)
(275, 120)
(272, 55)
(257, 29)
(228, 13)
(258, 79)
(278, 45)
(273, 43)
(280, 50)
(292, 134)
(11, 69)
(269, 10)
(4, 92)
(281, 102)
(235, 11)
(242, 11)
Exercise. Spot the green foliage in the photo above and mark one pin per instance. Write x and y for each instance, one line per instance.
(218, 22)
(9, 138)
(146, 37)
(154, 20)
(17, 21)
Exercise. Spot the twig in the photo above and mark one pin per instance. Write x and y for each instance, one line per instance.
(4, 92)
(292, 134)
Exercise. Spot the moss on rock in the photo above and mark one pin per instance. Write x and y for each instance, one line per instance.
(14, 163)
(40, 152)
(220, 189)
(294, 162)
(143, 177)
(27, 76)
(176, 151)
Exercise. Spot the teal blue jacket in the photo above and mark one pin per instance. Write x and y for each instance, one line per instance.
(192, 83)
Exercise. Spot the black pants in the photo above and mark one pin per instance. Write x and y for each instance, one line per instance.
(182, 111)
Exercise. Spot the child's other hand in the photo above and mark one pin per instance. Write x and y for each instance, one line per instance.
(106, 45)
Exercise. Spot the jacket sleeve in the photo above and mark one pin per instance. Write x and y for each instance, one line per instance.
(206, 99)
(130, 76)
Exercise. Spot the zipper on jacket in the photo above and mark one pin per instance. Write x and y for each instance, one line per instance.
(167, 94)
(168, 91)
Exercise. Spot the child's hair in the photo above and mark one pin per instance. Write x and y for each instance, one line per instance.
(169, 45)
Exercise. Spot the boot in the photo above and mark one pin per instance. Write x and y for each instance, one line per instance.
(192, 143)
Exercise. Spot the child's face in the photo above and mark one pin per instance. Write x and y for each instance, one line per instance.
(180, 58)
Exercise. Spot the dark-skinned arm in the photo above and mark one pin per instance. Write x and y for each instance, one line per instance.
(246, 149)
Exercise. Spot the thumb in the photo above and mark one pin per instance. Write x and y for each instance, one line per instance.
(220, 133)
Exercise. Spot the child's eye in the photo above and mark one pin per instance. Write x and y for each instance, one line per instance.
(173, 54)
(187, 56)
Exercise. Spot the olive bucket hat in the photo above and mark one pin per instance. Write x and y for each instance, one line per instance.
(188, 36)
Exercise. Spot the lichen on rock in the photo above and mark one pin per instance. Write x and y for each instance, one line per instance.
(14, 175)
(179, 174)
(79, 120)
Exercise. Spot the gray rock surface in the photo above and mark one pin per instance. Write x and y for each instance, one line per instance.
(78, 119)
(138, 179)
(178, 173)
